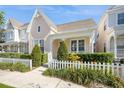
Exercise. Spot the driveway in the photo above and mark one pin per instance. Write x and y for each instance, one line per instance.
(34, 79)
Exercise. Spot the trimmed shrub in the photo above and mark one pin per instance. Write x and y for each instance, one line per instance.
(44, 58)
(15, 55)
(25, 56)
(86, 77)
(62, 53)
(14, 66)
(19, 67)
(96, 57)
(36, 56)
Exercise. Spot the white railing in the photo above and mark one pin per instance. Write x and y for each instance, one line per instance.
(114, 68)
(27, 62)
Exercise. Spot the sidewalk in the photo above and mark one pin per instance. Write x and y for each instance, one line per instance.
(34, 79)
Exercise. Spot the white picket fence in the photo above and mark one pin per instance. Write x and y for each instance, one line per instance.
(27, 62)
(114, 68)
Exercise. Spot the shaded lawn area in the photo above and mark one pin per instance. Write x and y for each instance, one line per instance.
(5, 86)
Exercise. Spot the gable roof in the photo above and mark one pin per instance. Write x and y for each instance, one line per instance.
(87, 23)
(47, 20)
(24, 26)
(15, 23)
(50, 22)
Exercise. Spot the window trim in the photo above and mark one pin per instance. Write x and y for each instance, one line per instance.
(77, 51)
(117, 19)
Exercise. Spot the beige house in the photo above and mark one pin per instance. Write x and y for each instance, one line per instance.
(110, 32)
(79, 36)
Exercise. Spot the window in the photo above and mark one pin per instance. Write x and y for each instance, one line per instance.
(80, 45)
(40, 43)
(120, 18)
(9, 35)
(104, 47)
(77, 45)
(120, 47)
(36, 42)
(74, 46)
(38, 28)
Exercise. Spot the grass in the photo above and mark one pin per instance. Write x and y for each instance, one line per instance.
(5, 86)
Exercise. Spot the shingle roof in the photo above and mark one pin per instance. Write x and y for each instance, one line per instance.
(46, 18)
(24, 26)
(76, 25)
(15, 23)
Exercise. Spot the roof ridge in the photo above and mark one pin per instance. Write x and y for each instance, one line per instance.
(76, 21)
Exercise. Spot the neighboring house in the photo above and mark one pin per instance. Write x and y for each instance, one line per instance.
(79, 36)
(110, 32)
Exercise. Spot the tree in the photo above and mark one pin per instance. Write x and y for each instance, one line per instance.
(2, 21)
(62, 53)
(36, 56)
(2, 36)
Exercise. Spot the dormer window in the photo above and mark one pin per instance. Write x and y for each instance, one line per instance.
(120, 18)
(38, 28)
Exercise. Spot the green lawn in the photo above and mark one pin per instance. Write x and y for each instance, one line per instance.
(5, 86)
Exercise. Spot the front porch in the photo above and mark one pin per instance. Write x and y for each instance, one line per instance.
(14, 47)
(76, 41)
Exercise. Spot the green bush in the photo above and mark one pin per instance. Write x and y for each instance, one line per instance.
(44, 58)
(5, 65)
(62, 53)
(14, 66)
(15, 55)
(19, 67)
(73, 57)
(86, 77)
(36, 56)
(25, 56)
(96, 57)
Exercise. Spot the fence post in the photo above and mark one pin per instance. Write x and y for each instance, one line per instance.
(108, 68)
(122, 71)
(30, 64)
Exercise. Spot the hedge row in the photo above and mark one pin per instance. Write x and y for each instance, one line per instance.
(86, 77)
(96, 57)
(14, 66)
(15, 55)
(23, 56)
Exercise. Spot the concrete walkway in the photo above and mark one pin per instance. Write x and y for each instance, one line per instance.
(34, 79)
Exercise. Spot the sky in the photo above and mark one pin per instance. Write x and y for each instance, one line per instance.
(59, 14)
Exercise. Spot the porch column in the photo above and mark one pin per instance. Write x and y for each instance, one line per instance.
(50, 57)
(91, 47)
